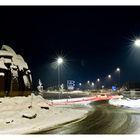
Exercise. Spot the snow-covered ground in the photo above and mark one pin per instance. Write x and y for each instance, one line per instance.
(81, 100)
(70, 92)
(125, 102)
(15, 110)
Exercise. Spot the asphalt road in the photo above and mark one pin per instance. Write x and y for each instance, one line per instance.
(102, 119)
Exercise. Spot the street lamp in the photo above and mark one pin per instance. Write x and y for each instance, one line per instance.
(59, 63)
(109, 76)
(80, 84)
(118, 71)
(92, 84)
(98, 80)
(98, 84)
(88, 82)
(60, 60)
(137, 43)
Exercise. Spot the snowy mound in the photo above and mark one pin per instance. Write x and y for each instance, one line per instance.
(125, 102)
(23, 115)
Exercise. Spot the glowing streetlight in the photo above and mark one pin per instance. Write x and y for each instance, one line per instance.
(98, 80)
(109, 76)
(137, 43)
(59, 62)
(88, 82)
(103, 86)
(92, 84)
(118, 70)
(80, 84)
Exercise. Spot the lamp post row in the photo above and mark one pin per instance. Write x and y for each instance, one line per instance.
(109, 78)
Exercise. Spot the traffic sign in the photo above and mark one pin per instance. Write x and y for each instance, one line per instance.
(114, 88)
(70, 84)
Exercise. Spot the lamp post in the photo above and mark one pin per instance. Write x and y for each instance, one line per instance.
(118, 71)
(80, 84)
(98, 80)
(98, 83)
(137, 43)
(88, 85)
(59, 62)
(109, 77)
(92, 85)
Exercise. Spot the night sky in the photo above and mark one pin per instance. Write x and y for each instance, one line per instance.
(94, 40)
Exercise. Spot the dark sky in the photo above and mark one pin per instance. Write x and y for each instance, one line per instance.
(95, 40)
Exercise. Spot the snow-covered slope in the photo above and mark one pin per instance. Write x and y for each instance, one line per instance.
(15, 110)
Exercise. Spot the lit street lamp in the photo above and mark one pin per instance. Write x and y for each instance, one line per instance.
(88, 85)
(60, 60)
(109, 76)
(92, 84)
(80, 84)
(98, 84)
(59, 63)
(118, 71)
(103, 86)
(137, 43)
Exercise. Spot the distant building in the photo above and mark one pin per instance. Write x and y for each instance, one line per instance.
(15, 76)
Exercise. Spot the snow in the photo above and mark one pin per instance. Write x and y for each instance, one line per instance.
(2, 65)
(76, 91)
(126, 102)
(9, 49)
(12, 110)
(69, 92)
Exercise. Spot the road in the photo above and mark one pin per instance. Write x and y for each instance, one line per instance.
(102, 119)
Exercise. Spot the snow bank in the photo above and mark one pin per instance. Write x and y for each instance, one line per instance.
(12, 110)
(125, 102)
(69, 92)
